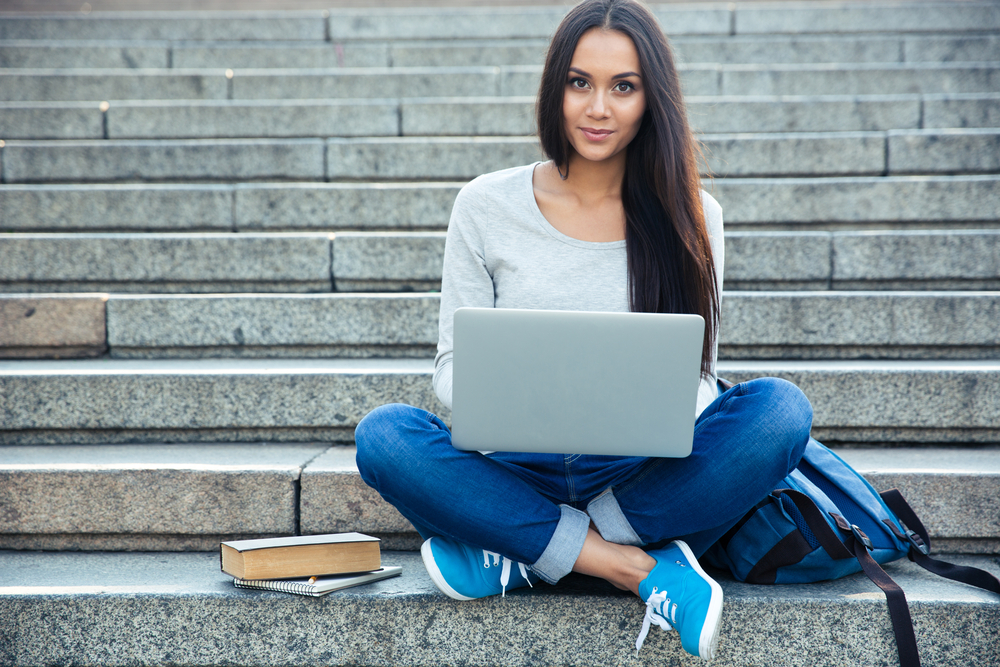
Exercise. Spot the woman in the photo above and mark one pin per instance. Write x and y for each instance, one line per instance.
(614, 221)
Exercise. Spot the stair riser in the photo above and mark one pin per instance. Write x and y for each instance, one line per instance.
(813, 203)
(450, 117)
(885, 48)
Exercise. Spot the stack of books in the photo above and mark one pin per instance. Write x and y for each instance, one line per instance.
(306, 565)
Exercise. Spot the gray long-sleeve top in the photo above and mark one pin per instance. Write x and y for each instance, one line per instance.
(501, 252)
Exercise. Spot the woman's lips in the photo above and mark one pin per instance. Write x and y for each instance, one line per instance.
(594, 134)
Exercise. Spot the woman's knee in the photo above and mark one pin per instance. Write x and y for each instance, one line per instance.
(382, 434)
(785, 411)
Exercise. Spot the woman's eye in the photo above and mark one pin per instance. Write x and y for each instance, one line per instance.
(577, 82)
(623, 86)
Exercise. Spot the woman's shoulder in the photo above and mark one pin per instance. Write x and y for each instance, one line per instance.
(504, 183)
(713, 213)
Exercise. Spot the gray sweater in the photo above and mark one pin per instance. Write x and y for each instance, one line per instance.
(502, 253)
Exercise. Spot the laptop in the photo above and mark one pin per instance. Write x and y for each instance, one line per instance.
(570, 382)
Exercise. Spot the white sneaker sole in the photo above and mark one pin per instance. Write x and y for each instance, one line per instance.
(432, 569)
(709, 639)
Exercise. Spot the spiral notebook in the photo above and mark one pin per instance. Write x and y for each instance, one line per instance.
(317, 586)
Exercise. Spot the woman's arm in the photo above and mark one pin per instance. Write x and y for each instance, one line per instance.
(465, 280)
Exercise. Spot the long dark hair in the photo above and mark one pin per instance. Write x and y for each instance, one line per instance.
(670, 265)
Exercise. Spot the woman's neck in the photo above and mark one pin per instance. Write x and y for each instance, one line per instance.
(587, 204)
(594, 181)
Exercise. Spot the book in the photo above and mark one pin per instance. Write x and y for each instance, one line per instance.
(301, 556)
(317, 586)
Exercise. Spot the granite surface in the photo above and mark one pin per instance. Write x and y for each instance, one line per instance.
(932, 401)
(112, 84)
(471, 52)
(494, 116)
(285, 396)
(344, 206)
(52, 325)
(942, 200)
(883, 319)
(917, 256)
(121, 207)
(851, 18)
(386, 257)
(956, 151)
(946, 201)
(130, 160)
(187, 614)
(795, 154)
(800, 259)
(284, 54)
(782, 48)
(273, 321)
(389, 82)
(264, 119)
(447, 158)
(859, 79)
(802, 114)
(168, 25)
(758, 325)
(952, 48)
(334, 499)
(41, 54)
(894, 401)
(969, 110)
(41, 120)
(157, 260)
(954, 491)
(174, 489)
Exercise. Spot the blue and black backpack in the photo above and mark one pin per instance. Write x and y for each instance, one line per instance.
(825, 521)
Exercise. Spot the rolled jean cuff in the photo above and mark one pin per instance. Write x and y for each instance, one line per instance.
(565, 546)
(611, 523)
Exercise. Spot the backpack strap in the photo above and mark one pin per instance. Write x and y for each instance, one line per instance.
(856, 545)
(920, 546)
(899, 610)
(813, 515)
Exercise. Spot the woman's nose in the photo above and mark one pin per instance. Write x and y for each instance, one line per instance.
(598, 106)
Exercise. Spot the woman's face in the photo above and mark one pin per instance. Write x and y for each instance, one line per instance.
(603, 102)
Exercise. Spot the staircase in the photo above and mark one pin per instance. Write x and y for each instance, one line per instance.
(220, 244)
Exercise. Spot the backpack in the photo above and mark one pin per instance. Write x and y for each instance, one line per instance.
(825, 521)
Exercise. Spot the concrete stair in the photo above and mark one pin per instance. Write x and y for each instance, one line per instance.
(222, 239)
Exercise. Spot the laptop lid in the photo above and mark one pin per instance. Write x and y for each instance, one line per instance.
(570, 382)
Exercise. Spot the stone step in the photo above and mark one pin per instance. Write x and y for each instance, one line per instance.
(496, 22)
(49, 599)
(186, 497)
(492, 116)
(357, 261)
(172, 25)
(202, 262)
(53, 326)
(786, 154)
(754, 203)
(756, 325)
(115, 401)
(171, 497)
(735, 49)
(507, 80)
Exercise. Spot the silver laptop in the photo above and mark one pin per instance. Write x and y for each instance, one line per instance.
(569, 382)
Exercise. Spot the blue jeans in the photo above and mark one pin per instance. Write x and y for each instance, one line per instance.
(536, 508)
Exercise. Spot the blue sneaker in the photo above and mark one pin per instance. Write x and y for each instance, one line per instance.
(464, 573)
(680, 595)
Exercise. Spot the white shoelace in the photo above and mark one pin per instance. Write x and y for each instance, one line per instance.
(505, 572)
(656, 601)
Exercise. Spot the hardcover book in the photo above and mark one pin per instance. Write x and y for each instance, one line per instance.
(300, 556)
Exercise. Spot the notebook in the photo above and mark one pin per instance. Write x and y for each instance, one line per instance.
(570, 382)
(317, 586)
